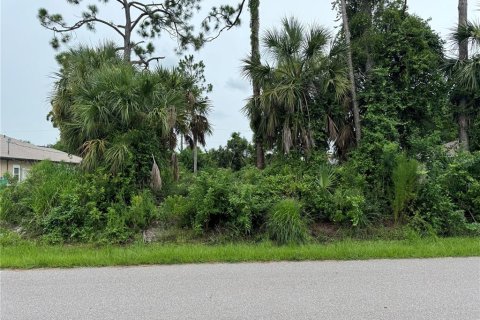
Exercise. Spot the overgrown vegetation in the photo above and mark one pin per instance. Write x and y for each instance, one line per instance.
(61, 204)
(320, 182)
(285, 202)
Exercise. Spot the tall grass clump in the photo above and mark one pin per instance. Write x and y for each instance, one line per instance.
(405, 180)
(285, 224)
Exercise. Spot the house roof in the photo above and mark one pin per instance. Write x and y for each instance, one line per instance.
(11, 148)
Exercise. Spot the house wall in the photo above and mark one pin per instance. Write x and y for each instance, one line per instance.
(7, 165)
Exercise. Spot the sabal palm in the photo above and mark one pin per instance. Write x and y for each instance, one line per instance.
(467, 72)
(105, 110)
(198, 125)
(76, 65)
(192, 123)
(299, 71)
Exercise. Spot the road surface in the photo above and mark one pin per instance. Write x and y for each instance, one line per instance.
(376, 289)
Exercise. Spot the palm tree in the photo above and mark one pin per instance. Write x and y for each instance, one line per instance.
(353, 90)
(75, 66)
(255, 113)
(468, 71)
(113, 114)
(462, 56)
(465, 70)
(194, 127)
(198, 126)
(298, 72)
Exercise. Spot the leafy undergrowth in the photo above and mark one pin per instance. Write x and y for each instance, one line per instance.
(29, 255)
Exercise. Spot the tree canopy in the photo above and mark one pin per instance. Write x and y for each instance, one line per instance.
(145, 21)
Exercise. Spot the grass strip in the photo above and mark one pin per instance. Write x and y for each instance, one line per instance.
(27, 256)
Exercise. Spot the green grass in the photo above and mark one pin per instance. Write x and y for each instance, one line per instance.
(39, 256)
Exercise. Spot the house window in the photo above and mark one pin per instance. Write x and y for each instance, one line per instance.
(16, 172)
(25, 173)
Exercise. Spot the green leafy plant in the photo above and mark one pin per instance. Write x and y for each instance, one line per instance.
(348, 206)
(285, 223)
(326, 178)
(405, 182)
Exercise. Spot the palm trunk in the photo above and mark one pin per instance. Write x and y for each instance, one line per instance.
(260, 154)
(195, 155)
(462, 55)
(175, 170)
(463, 126)
(254, 40)
(353, 90)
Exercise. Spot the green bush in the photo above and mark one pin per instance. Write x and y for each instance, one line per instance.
(209, 198)
(62, 204)
(285, 223)
(436, 213)
(461, 180)
(405, 182)
(142, 211)
(12, 208)
(448, 201)
(348, 206)
(222, 199)
(30, 202)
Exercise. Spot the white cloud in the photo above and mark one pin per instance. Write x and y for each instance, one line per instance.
(237, 84)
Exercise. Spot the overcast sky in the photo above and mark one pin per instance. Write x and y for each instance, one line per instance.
(27, 60)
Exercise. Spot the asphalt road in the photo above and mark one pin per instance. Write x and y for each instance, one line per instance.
(376, 289)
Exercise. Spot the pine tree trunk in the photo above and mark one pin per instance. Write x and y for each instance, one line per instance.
(462, 55)
(127, 41)
(195, 155)
(255, 43)
(353, 90)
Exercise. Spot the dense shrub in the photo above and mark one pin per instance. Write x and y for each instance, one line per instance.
(461, 180)
(448, 201)
(285, 223)
(59, 203)
(436, 213)
(62, 204)
(405, 180)
(223, 199)
(240, 201)
(208, 197)
(29, 203)
(349, 206)
(174, 211)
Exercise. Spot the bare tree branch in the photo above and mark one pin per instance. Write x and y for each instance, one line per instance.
(145, 14)
(80, 23)
(152, 18)
(146, 62)
(227, 26)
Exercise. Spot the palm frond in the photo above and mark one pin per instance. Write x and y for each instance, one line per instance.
(117, 156)
(468, 74)
(92, 152)
(315, 41)
(469, 32)
(156, 179)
